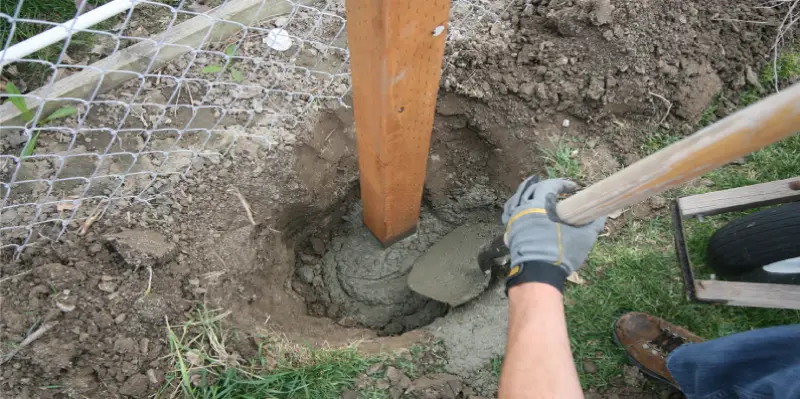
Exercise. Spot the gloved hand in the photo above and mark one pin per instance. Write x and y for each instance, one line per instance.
(544, 249)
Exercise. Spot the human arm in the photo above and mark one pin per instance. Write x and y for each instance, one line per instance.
(538, 361)
(544, 251)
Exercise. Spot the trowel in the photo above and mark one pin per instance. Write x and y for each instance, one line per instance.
(447, 272)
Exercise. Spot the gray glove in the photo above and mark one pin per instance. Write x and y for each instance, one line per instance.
(543, 248)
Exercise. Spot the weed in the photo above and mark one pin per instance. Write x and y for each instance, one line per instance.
(562, 161)
(236, 75)
(203, 367)
(497, 366)
(787, 68)
(18, 100)
(657, 140)
(709, 115)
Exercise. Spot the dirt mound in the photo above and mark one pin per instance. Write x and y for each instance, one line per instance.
(606, 66)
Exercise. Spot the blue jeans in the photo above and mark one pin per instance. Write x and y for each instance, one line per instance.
(755, 364)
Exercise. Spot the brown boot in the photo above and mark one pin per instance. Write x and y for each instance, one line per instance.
(648, 341)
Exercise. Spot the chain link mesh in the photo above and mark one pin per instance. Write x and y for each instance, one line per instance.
(151, 101)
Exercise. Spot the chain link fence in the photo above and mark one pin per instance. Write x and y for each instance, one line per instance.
(111, 110)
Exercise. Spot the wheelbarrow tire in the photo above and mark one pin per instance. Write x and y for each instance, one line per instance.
(747, 244)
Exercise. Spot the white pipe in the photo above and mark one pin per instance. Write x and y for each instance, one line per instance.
(61, 31)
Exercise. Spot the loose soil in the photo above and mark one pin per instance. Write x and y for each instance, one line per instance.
(253, 207)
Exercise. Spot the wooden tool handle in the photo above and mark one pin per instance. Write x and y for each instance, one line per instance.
(761, 124)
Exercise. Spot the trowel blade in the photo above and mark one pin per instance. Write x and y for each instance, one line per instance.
(448, 271)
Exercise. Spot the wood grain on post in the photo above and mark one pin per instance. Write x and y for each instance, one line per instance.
(766, 122)
(396, 50)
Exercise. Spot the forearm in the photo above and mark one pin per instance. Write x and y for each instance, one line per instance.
(538, 361)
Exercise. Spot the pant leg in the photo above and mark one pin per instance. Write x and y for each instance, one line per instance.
(756, 364)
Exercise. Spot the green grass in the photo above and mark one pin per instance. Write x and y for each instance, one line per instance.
(709, 115)
(56, 11)
(637, 269)
(657, 140)
(787, 68)
(203, 366)
(561, 160)
(325, 376)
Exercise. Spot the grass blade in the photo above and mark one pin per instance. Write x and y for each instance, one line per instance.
(18, 100)
(62, 112)
(230, 51)
(211, 69)
(30, 146)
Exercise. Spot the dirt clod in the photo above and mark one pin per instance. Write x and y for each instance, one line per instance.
(397, 378)
(142, 247)
(349, 394)
(589, 366)
(136, 386)
(436, 386)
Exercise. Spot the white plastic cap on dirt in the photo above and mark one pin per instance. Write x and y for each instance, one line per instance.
(565, 123)
(278, 39)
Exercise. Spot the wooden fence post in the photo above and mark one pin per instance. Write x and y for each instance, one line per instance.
(396, 50)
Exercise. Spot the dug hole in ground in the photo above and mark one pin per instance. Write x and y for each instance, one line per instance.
(272, 238)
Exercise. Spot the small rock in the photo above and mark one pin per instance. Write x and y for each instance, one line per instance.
(125, 345)
(630, 159)
(349, 394)
(565, 123)
(658, 202)
(362, 382)
(318, 246)
(193, 358)
(309, 259)
(596, 88)
(151, 375)
(589, 366)
(107, 286)
(437, 386)
(138, 385)
(397, 378)
(602, 11)
(65, 305)
(632, 376)
(258, 105)
(740, 161)
(306, 274)
(120, 318)
(144, 345)
(374, 368)
(382, 384)
(752, 78)
(281, 21)
(142, 247)
(527, 89)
